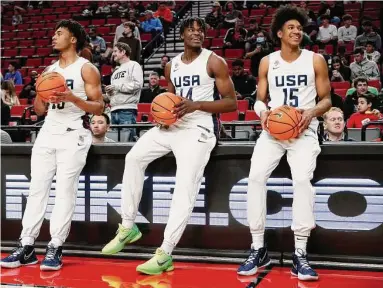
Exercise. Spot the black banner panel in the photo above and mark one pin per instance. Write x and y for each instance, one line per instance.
(348, 203)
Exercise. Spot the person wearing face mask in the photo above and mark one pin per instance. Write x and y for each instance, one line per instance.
(261, 48)
(368, 36)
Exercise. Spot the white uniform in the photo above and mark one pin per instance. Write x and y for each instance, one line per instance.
(292, 84)
(191, 141)
(61, 148)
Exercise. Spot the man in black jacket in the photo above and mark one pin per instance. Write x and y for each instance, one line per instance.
(244, 84)
(149, 93)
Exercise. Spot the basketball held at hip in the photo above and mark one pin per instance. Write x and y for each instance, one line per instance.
(162, 108)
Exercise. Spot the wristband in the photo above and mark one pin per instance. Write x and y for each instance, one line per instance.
(259, 107)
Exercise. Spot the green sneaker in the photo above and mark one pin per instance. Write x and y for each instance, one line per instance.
(124, 236)
(159, 263)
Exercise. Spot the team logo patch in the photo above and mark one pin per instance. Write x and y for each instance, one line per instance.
(278, 115)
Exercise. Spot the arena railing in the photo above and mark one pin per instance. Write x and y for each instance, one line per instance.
(364, 128)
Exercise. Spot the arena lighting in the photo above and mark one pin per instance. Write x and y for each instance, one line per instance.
(281, 190)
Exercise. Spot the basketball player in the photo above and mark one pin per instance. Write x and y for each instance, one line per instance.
(293, 77)
(60, 149)
(191, 74)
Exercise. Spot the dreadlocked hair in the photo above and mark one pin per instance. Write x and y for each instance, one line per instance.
(77, 31)
(284, 14)
(188, 22)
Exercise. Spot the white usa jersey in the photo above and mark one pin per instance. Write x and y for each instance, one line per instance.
(293, 83)
(65, 114)
(192, 81)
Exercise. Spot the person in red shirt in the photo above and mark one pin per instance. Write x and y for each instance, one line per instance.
(165, 15)
(365, 114)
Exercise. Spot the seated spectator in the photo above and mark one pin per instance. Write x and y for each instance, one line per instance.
(165, 15)
(232, 15)
(151, 24)
(311, 28)
(214, 20)
(370, 52)
(328, 33)
(368, 36)
(8, 94)
(17, 18)
(244, 84)
(347, 33)
(161, 70)
(235, 37)
(341, 53)
(29, 89)
(105, 9)
(362, 67)
(333, 123)
(97, 42)
(120, 29)
(262, 48)
(336, 100)
(5, 138)
(339, 72)
(99, 125)
(86, 52)
(333, 10)
(133, 42)
(252, 32)
(154, 89)
(14, 74)
(365, 113)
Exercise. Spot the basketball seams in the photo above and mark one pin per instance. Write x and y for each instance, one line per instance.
(162, 106)
(287, 114)
(50, 89)
(292, 127)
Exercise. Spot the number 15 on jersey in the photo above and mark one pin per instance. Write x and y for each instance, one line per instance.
(291, 97)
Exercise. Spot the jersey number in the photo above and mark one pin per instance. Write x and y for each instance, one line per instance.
(189, 95)
(59, 106)
(290, 98)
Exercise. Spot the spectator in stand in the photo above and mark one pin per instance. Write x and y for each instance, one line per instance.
(328, 33)
(104, 10)
(120, 29)
(151, 24)
(86, 52)
(370, 52)
(363, 67)
(251, 39)
(91, 10)
(215, 18)
(336, 100)
(232, 15)
(368, 36)
(334, 124)
(339, 72)
(154, 89)
(341, 53)
(165, 15)
(14, 74)
(97, 42)
(29, 90)
(17, 18)
(99, 125)
(5, 138)
(133, 42)
(311, 29)
(365, 113)
(262, 48)
(334, 10)
(244, 84)
(236, 37)
(8, 94)
(161, 70)
(347, 33)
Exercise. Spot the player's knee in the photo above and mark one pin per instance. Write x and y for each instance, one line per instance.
(302, 178)
(132, 159)
(258, 175)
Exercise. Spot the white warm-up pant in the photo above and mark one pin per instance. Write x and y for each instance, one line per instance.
(191, 148)
(63, 155)
(301, 156)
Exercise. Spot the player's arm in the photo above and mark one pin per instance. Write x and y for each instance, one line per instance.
(323, 87)
(262, 90)
(40, 106)
(171, 87)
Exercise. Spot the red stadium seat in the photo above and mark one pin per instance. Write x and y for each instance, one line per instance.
(43, 51)
(98, 22)
(351, 6)
(42, 42)
(217, 42)
(143, 107)
(115, 21)
(229, 116)
(257, 12)
(36, 26)
(47, 11)
(50, 18)
(106, 70)
(10, 53)
(211, 33)
(48, 60)
(103, 30)
(234, 53)
(163, 83)
(9, 44)
(374, 83)
(146, 37)
(22, 26)
(26, 43)
(340, 85)
(8, 35)
(35, 62)
(61, 10)
(245, 13)
(222, 32)
(39, 34)
(17, 111)
(341, 92)
(250, 115)
(218, 52)
(18, 88)
(329, 49)
(242, 105)
(206, 43)
(23, 101)
(27, 52)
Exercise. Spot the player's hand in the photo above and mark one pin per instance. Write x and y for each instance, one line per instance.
(58, 97)
(307, 116)
(264, 115)
(109, 89)
(184, 107)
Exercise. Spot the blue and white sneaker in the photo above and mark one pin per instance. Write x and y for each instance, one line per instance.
(21, 255)
(257, 259)
(52, 260)
(301, 267)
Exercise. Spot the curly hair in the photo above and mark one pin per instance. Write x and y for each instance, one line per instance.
(284, 14)
(77, 31)
(188, 22)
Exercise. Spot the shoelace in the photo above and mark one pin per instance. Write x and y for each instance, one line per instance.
(304, 263)
(251, 257)
(51, 253)
(17, 251)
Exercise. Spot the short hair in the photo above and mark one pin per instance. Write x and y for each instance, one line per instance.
(325, 16)
(336, 59)
(332, 109)
(130, 24)
(154, 73)
(188, 22)
(284, 14)
(359, 79)
(238, 62)
(368, 96)
(358, 50)
(107, 119)
(166, 57)
(14, 64)
(346, 17)
(124, 47)
(77, 31)
(367, 23)
(370, 43)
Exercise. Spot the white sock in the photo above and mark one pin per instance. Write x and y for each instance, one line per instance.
(167, 247)
(56, 242)
(258, 240)
(300, 243)
(127, 223)
(27, 241)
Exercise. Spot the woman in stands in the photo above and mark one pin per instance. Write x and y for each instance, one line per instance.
(339, 72)
(8, 94)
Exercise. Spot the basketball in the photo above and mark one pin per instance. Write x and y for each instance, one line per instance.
(162, 107)
(283, 122)
(49, 82)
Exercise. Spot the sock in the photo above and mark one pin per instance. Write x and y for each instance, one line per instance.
(300, 243)
(56, 242)
(30, 241)
(167, 247)
(258, 240)
(127, 223)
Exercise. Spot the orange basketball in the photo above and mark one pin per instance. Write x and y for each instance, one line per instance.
(162, 107)
(49, 82)
(283, 122)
